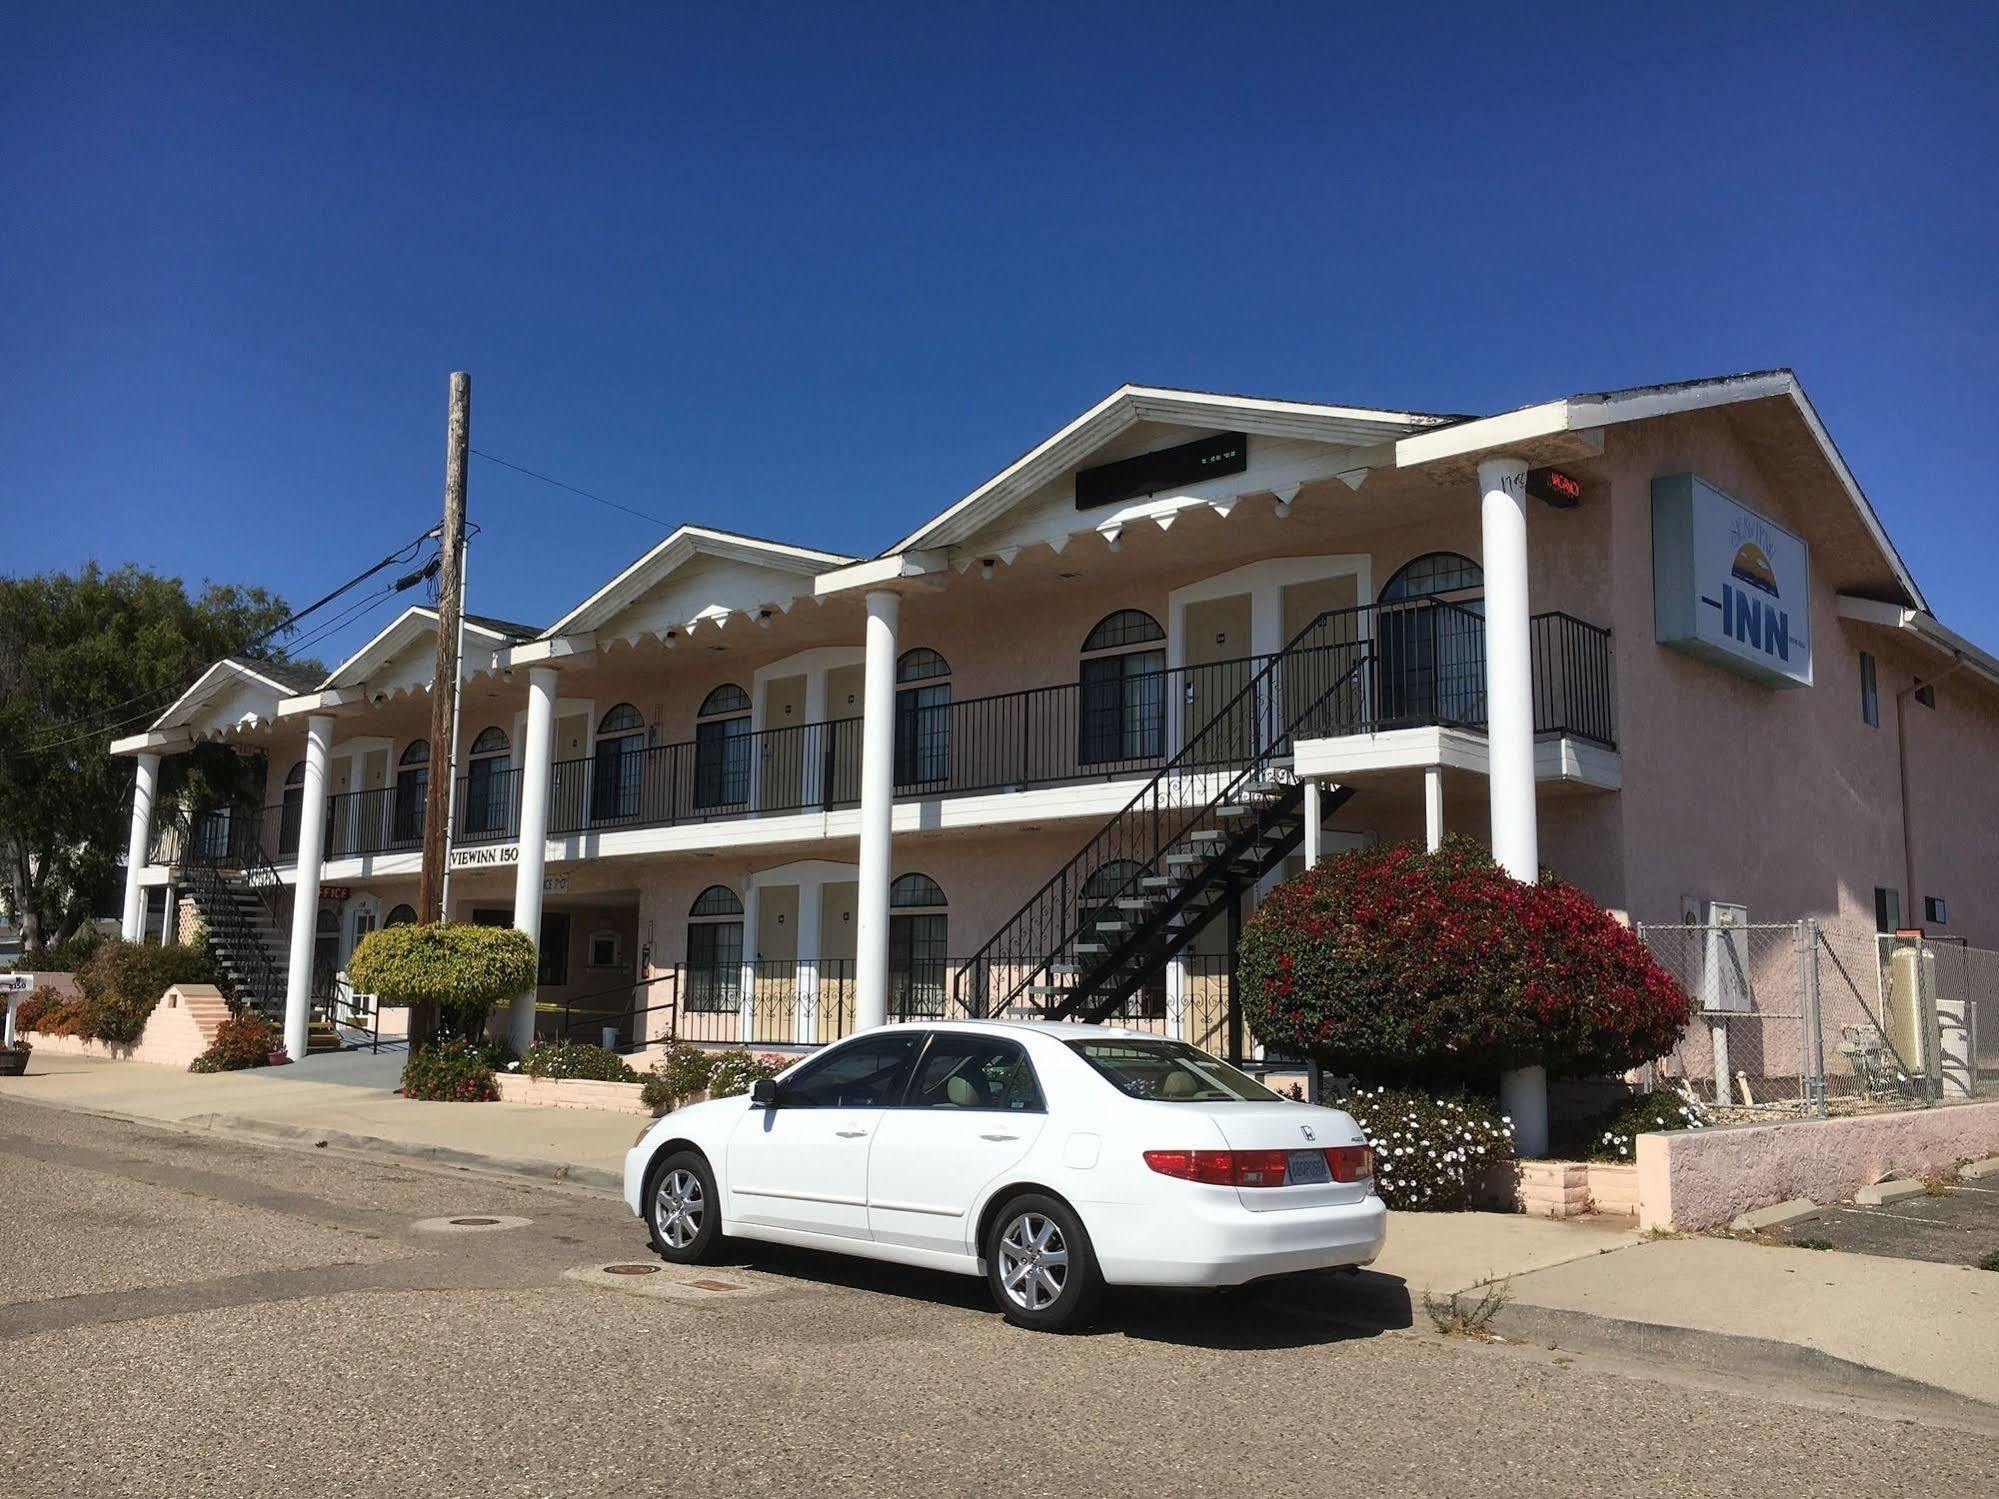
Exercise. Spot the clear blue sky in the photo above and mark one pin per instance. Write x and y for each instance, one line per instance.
(814, 273)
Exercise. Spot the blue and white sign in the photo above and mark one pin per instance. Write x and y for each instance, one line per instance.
(1728, 585)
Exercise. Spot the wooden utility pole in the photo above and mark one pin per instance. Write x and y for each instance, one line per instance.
(444, 686)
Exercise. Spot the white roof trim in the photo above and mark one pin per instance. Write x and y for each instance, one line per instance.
(1130, 404)
(686, 543)
(234, 668)
(153, 741)
(413, 622)
(1925, 627)
(1592, 412)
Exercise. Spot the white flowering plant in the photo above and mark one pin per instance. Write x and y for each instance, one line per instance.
(1613, 1134)
(1430, 1154)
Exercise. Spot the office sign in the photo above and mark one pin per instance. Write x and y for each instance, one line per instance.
(1552, 486)
(1728, 585)
(1169, 468)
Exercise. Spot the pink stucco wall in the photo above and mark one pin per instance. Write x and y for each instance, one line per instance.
(1694, 1179)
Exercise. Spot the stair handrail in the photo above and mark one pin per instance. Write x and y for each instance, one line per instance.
(220, 912)
(1197, 753)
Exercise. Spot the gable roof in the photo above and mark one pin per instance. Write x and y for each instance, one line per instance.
(415, 623)
(279, 678)
(1125, 407)
(681, 547)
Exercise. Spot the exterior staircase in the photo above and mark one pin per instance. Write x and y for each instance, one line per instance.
(240, 901)
(1220, 815)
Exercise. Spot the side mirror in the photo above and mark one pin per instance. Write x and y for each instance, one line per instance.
(763, 1093)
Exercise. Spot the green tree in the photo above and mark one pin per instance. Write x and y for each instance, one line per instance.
(84, 659)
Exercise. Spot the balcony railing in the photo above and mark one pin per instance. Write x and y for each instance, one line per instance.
(1420, 664)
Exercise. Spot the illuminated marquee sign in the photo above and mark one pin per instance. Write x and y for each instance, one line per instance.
(1553, 487)
(1728, 585)
(1169, 468)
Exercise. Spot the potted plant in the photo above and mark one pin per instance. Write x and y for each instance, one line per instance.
(14, 1059)
(276, 1056)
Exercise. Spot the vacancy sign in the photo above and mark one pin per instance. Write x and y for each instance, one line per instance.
(1729, 585)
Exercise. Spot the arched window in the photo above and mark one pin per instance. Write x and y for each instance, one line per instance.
(715, 950)
(1430, 644)
(1121, 714)
(291, 812)
(412, 786)
(1431, 574)
(401, 915)
(1112, 881)
(722, 749)
(922, 718)
(489, 789)
(918, 944)
(617, 767)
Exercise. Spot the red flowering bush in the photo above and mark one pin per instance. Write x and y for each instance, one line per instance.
(241, 1041)
(452, 1071)
(1394, 964)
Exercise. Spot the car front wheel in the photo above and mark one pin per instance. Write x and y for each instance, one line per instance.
(1040, 1267)
(683, 1211)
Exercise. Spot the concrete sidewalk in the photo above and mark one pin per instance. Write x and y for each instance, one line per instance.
(350, 1108)
(1917, 1334)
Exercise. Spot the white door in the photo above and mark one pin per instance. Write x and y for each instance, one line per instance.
(972, 1113)
(802, 1164)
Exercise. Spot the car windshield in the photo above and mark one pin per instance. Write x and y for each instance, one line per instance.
(1171, 1072)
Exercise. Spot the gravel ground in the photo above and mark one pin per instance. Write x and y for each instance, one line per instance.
(463, 1364)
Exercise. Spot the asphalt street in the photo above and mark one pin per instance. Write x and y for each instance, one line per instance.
(185, 1315)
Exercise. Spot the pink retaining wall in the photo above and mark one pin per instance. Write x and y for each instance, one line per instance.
(178, 1031)
(1692, 1179)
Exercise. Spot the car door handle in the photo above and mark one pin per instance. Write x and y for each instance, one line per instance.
(850, 1134)
(999, 1137)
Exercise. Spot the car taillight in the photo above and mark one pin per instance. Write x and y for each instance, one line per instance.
(1350, 1163)
(1222, 1168)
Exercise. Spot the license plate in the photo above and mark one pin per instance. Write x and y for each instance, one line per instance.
(1307, 1168)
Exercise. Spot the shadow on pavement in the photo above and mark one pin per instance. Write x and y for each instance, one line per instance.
(1291, 1312)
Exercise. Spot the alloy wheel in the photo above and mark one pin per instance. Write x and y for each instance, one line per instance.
(678, 1207)
(1034, 1262)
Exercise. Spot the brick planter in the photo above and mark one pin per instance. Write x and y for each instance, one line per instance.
(571, 1093)
(1569, 1189)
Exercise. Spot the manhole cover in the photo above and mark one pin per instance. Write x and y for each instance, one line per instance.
(474, 1222)
(469, 1224)
(633, 1270)
(714, 1285)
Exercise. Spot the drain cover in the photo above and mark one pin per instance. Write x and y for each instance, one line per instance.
(714, 1285)
(633, 1270)
(469, 1224)
(474, 1222)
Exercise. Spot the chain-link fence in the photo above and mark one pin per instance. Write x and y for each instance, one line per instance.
(1800, 1019)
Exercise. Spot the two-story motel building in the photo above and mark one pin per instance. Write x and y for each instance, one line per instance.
(1046, 749)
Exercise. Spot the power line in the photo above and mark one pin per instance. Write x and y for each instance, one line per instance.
(159, 697)
(662, 524)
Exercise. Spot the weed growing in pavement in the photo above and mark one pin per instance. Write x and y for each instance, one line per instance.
(1456, 1317)
(1990, 1262)
(1811, 1243)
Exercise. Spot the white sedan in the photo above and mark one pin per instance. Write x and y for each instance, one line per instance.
(1054, 1159)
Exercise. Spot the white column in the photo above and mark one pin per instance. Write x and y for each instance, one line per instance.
(537, 760)
(1433, 807)
(1314, 824)
(143, 786)
(1509, 679)
(812, 775)
(305, 894)
(1266, 638)
(811, 897)
(1509, 729)
(746, 1014)
(877, 804)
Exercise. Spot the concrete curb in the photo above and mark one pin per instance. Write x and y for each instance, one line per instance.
(1735, 1354)
(538, 1173)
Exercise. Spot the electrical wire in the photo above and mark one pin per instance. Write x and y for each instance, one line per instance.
(160, 697)
(615, 505)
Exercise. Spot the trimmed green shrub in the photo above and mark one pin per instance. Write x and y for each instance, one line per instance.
(123, 981)
(67, 956)
(463, 970)
(240, 1041)
(450, 1071)
(1441, 970)
(732, 1071)
(1430, 1154)
(1613, 1134)
(576, 1059)
(678, 1075)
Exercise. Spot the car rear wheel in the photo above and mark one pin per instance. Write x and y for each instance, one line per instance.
(682, 1210)
(1039, 1265)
